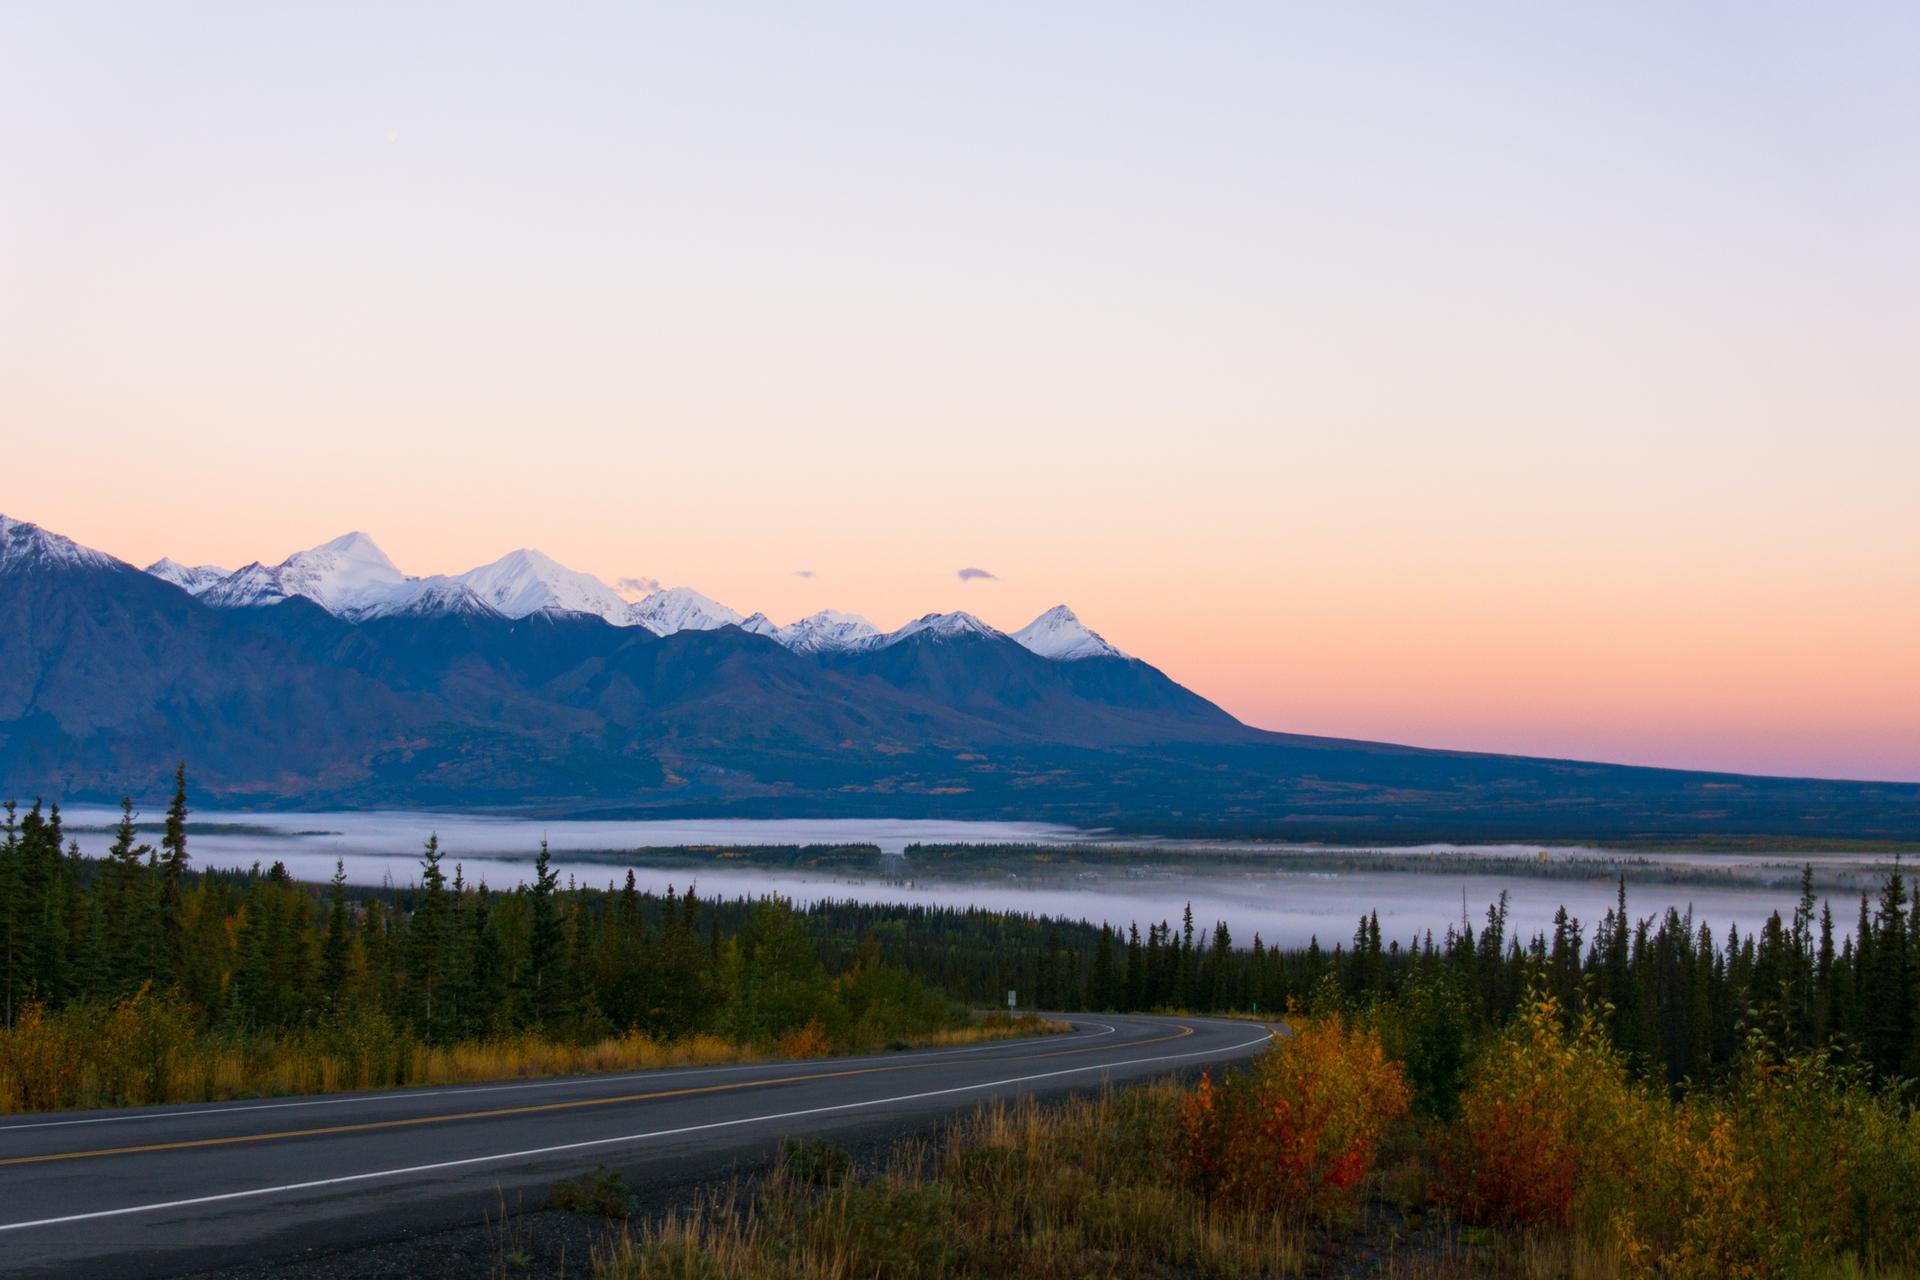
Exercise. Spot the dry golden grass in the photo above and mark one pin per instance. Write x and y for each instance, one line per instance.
(1083, 1188)
(993, 1026)
(147, 1051)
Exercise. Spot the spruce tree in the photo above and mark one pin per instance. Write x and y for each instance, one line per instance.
(125, 910)
(173, 870)
(426, 938)
(333, 951)
(541, 978)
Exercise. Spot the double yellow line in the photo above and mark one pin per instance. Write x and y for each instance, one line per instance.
(533, 1108)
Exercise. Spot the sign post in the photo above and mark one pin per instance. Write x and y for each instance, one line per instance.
(1010, 1000)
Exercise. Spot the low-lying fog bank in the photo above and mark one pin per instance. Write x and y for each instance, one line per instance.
(1288, 894)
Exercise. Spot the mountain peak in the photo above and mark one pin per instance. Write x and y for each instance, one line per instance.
(348, 573)
(1059, 634)
(192, 579)
(527, 581)
(428, 597)
(681, 609)
(24, 545)
(944, 626)
(248, 586)
(828, 630)
(357, 544)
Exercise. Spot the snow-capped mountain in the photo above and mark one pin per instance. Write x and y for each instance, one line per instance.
(528, 581)
(26, 546)
(192, 579)
(247, 587)
(1059, 635)
(110, 676)
(353, 579)
(343, 575)
(681, 609)
(943, 626)
(437, 596)
(346, 576)
(828, 631)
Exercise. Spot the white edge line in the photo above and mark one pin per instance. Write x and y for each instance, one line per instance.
(607, 1142)
(590, 1078)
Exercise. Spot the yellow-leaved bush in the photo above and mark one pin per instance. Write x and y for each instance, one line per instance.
(1796, 1165)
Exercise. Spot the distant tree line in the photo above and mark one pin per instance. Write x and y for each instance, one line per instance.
(256, 951)
(454, 960)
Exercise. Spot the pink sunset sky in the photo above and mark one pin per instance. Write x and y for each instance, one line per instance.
(1516, 379)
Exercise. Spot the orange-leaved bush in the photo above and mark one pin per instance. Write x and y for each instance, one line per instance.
(810, 1041)
(1299, 1131)
(1552, 1131)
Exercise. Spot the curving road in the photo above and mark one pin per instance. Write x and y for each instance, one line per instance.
(168, 1190)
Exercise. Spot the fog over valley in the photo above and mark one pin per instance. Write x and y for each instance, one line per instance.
(1288, 895)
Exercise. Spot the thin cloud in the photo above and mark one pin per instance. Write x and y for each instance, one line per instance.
(638, 586)
(969, 575)
(805, 573)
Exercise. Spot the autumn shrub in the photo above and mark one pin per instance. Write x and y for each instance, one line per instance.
(810, 1041)
(38, 1063)
(1299, 1131)
(1552, 1132)
(1802, 1163)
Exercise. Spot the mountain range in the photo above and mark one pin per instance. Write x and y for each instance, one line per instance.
(334, 679)
(351, 578)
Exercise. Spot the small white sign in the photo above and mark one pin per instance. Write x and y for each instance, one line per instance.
(1010, 1000)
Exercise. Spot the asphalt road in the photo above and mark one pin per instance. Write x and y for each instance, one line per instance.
(169, 1190)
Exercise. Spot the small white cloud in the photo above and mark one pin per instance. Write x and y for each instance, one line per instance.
(969, 575)
(637, 586)
(805, 573)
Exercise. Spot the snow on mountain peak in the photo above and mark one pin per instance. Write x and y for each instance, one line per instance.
(528, 581)
(347, 574)
(681, 609)
(944, 626)
(192, 579)
(24, 545)
(1060, 635)
(427, 597)
(826, 631)
(246, 587)
(352, 578)
(357, 544)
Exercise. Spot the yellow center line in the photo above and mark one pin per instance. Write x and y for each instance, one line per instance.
(529, 1109)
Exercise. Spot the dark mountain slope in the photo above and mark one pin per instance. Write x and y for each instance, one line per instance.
(108, 676)
(1091, 702)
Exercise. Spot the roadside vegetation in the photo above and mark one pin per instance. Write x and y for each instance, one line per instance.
(133, 979)
(1545, 1156)
(1654, 1102)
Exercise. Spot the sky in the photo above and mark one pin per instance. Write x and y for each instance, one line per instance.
(1518, 378)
